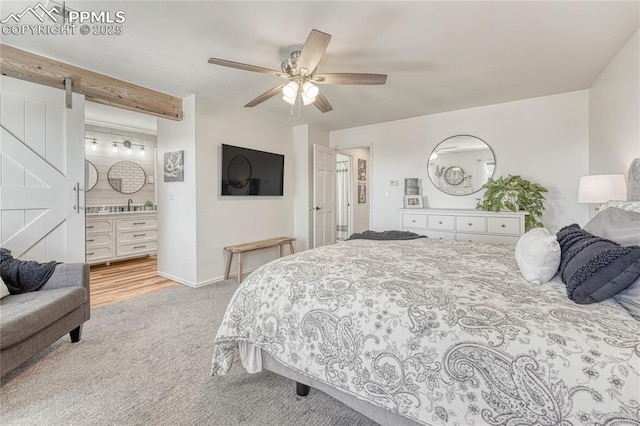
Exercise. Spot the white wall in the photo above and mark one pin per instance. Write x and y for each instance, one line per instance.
(223, 221)
(360, 211)
(176, 200)
(543, 139)
(614, 113)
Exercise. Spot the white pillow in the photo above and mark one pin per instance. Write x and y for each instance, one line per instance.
(4, 291)
(630, 299)
(538, 255)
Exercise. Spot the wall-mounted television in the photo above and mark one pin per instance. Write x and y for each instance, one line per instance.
(248, 172)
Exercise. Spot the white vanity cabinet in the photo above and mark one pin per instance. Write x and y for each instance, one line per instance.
(465, 224)
(117, 236)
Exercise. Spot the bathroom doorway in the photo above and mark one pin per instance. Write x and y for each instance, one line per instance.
(344, 220)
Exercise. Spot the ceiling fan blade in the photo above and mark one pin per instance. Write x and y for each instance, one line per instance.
(266, 95)
(312, 51)
(350, 78)
(322, 103)
(246, 67)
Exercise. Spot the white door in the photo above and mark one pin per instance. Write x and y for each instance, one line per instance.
(41, 172)
(324, 195)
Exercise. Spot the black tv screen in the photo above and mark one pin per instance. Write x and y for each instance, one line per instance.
(251, 172)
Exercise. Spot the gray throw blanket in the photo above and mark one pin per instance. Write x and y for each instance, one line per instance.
(385, 235)
(22, 276)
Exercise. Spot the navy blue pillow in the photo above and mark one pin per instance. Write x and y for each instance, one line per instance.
(593, 268)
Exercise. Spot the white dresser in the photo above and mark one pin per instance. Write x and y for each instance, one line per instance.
(117, 236)
(465, 224)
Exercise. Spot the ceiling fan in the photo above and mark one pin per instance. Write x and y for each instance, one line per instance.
(300, 72)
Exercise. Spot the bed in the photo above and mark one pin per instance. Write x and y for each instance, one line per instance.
(435, 332)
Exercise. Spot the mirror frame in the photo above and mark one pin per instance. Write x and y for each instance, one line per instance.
(493, 154)
(90, 165)
(119, 190)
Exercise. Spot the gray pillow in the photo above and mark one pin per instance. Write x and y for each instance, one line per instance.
(593, 268)
(630, 299)
(617, 225)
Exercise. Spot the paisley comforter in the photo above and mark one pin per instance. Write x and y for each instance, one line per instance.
(442, 332)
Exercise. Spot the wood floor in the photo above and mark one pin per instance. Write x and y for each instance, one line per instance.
(125, 280)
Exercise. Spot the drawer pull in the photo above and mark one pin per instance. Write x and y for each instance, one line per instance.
(470, 224)
(440, 223)
(503, 226)
(414, 221)
(138, 235)
(90, 254)
(138, 223)
(90, 241)
(138, 247)
(89, 226)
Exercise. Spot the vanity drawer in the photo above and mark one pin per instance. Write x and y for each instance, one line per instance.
(137, 247)
(98, 240)
(441, 223)
(503, 225)
(136, 223)
(410, 220)
(99, 253)
(139, 235)
(100, 225)
(470, 224)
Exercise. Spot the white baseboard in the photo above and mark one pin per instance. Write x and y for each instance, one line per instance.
(201, 283)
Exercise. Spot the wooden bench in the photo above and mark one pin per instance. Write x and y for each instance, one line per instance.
(256, 245)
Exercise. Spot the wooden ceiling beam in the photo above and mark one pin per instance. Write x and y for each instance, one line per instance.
(96, 87)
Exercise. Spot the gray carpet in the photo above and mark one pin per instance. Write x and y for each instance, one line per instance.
(146, 361)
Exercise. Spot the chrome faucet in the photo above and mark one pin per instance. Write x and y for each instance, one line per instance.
(129, 204)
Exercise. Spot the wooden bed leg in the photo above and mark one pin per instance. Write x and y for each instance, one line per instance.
(302, 390)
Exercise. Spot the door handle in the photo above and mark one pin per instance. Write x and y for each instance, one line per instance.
(76, 188)
(317, 208)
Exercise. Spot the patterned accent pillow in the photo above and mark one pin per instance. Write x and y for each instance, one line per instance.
(593, 268)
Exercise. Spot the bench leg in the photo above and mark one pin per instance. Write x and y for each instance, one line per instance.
(281, 250)
(239, 268)
(291, 249)
(75, 334)
(228, 268)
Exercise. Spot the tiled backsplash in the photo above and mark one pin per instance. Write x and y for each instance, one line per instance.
(119, 208)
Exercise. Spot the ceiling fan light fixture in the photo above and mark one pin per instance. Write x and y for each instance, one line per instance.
(310, 90)
(290, 101)
(306, 100)
(290, 90)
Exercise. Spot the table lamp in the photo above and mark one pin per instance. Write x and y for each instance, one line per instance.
(598, 189)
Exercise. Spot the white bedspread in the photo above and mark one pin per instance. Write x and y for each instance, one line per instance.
(440, 332)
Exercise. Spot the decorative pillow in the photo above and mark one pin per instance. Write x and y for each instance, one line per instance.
(538, 255)
(617, 225)
(4, 291)
(595, 269)
(630, 299)
(630, 206)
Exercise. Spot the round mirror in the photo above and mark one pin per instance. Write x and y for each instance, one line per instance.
(91, 175)
(461, 164)
(126, 177)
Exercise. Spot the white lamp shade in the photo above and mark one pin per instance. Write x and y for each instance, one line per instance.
(290, 90)
(290, 101)
(306, 100)
(310, 90)
(602, 188)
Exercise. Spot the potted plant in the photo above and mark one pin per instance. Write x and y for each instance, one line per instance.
(515, 193)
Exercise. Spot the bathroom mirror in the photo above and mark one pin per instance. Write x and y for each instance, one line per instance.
(91, 175)
(126, 177)
(461, 164)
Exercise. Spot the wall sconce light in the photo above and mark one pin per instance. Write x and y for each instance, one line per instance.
(128, 147)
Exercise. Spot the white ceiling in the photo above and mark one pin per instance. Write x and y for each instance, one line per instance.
(439, 56)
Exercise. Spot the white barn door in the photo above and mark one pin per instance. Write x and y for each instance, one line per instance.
(41, 172)
(324, 196)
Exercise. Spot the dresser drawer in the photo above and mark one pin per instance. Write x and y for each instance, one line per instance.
(100, 225)
(139, 235)
(441, 223)
(503, 225)
(436, 235)
(137, 248)
(136, 223)
(470, 224)
(98, 240)
(410, 220)
(99, 253)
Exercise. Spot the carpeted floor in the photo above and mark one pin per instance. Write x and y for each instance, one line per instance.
(146, 361)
